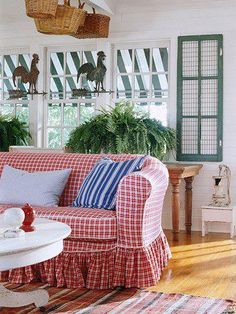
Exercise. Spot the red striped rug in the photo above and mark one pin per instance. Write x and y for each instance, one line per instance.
(130, 301)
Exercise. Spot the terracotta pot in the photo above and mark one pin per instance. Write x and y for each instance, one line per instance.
(29, 218)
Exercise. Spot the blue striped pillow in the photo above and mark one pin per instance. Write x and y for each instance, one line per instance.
(99, 188)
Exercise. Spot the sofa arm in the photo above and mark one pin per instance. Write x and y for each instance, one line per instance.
(139, 204)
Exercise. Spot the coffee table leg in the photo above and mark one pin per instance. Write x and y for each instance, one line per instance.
(9, 298)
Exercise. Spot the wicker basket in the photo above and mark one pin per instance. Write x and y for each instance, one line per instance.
(95, 26)
(66, 22)
(41, 8)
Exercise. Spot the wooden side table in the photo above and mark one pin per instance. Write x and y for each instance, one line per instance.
(219, 214)
(178, 172)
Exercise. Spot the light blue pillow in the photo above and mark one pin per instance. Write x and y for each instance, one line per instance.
(99, 188)
(36, 188)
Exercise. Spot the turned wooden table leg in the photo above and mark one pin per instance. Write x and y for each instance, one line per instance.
(175, 207)
(188, 203)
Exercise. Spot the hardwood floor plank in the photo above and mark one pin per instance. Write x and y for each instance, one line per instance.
(201, 266)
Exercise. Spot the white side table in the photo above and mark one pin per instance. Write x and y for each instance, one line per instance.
(219, 214)
(40, 245)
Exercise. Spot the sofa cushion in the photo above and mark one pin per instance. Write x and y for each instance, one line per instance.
(92, 224)
(99, 188)
(40, 188)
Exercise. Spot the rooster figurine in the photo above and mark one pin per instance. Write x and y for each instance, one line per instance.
(97, 73)
(30, 77)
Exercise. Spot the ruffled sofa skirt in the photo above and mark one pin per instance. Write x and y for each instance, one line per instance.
(98, 266)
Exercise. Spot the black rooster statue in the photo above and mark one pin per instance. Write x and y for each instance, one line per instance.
(96, 74)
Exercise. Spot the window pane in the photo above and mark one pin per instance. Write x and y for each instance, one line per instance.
(86, 112)
(190, 59)
(72, 62)
(159, 86)
(190, 98)
(142, 83)
(124, 86)
(70, 115)
(22, 112)
(209, 58)
(7, 109)
(57, 63)
(66, 135)
(209, 99)
(10, 63)
(141, 107)
(54, 138)
(70, 85)
(7, 85)
(54, 114)
(56, 88)
(189, 136)
(209, 136)
(24, 60)
(124, 61)
(142, 60)
(158, 111)
(160, 60)
(90, 57)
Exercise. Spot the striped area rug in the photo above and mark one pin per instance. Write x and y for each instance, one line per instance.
(119, 301)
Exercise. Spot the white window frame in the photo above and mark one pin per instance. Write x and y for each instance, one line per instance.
(141, 45)
(64, 100)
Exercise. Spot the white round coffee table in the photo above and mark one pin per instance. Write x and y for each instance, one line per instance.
(34, 247)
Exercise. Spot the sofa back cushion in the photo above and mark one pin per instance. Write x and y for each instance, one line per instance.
(42, 188)
(81, 165)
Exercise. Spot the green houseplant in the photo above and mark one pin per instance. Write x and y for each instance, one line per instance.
(122, 129)
(12, 132)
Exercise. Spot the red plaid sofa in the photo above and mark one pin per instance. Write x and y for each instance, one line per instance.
(126, 247)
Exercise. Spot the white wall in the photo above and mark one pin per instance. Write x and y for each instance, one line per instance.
(138, 20)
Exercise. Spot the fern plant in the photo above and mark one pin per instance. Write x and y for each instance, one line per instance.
(122, 129)
(12, 132)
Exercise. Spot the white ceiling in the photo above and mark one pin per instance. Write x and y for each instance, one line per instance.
(14, 24)
(14, 10)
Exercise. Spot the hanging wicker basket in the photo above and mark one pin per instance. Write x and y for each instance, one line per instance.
(41, 8)
(95, 26)
(66, 22)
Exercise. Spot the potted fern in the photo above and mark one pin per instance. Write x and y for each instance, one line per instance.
(12, 132)
(122, 129)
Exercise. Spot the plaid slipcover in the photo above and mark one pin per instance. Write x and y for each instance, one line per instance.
(126, 247)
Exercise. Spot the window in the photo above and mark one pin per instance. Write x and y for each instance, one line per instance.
(141, 76)
(64, 111)
(17, 107)
(200, 98)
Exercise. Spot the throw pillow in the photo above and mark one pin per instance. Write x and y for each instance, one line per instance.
(36, 188)
(99, 188)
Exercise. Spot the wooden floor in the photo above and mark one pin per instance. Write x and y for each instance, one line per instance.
(201, 266)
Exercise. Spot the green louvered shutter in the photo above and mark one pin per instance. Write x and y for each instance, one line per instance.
(200, 98)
